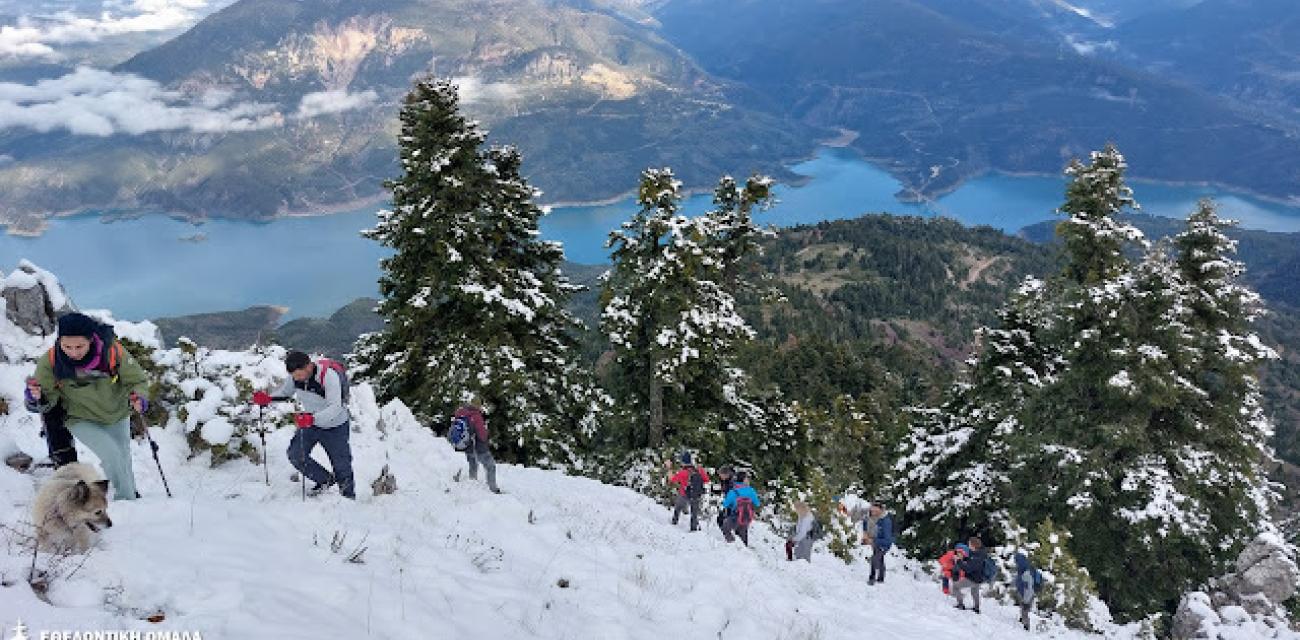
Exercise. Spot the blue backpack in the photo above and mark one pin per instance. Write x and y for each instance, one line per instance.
(990, 569)
(460, 433)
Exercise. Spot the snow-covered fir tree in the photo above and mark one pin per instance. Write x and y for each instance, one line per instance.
(1116, 400)
(954, 479)
(670, 314)
(474, 302)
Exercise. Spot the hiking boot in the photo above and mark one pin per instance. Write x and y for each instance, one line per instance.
(320, 487)
(871, 582)
(976, 609)
(960, 606)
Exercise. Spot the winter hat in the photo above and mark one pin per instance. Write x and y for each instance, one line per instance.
(77, 324)
(741, 477)
(686, 457)
(961, 546)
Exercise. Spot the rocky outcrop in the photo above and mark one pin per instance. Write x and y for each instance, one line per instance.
(33, 299)
(1248, 599)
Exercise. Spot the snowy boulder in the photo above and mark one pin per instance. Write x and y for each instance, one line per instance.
(1249, 597)
(1265, 569)
(1195, 617)
(33, 299)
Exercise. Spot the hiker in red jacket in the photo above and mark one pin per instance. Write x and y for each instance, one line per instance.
(690, 480)
(948, 569)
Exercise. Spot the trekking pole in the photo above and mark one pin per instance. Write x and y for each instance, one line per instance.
(302, 475)
(261, 433)
(154, 446)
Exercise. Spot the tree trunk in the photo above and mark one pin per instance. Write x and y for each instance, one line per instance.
(656, 431)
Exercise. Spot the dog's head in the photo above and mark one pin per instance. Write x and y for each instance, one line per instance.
(89, 502)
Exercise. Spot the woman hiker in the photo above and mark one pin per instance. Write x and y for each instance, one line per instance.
(98, 383)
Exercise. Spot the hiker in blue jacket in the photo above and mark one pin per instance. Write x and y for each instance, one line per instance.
(881, 540)
(1027, 580)
(741, 503)
(974, 571)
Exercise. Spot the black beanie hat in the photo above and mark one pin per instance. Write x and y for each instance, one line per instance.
(77, 324)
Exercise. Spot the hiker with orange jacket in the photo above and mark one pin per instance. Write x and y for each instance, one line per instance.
(690, 480)
(948, 566)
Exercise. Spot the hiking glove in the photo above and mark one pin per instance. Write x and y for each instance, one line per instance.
(144, 403)
(261, 398)
(304, 420)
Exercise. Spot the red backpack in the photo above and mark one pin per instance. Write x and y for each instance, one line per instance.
(325, 364)
(744, 512)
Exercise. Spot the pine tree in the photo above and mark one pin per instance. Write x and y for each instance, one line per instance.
(1094, 238)
(1229, 450)
(1117, 401)
(955, 479)
(474, 303)
(1068, 589)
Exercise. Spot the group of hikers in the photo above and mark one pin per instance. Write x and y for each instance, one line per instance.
(87, 385)
(740, 502)
(968, 565)
(964, 568)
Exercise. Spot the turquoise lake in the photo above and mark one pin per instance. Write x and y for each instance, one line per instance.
(145, 268)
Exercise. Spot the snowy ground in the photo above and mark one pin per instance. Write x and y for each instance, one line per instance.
(230, 557)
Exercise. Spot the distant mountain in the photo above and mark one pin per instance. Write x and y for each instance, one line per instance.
(590, 95)
(939, 92)
(1245, 49)
(224, 329)
(333, 336)
(593, 91)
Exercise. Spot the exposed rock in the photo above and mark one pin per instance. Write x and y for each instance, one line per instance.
(1193, 612)
(33, 299)
(1263, 568)
(385, 484)
(1249, 597)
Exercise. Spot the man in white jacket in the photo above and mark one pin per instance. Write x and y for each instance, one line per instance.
(319, 386)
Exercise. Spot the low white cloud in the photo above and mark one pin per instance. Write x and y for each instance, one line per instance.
(337, 101)
(473, 90)
(101, 103)
(94, 102)
(37, 36)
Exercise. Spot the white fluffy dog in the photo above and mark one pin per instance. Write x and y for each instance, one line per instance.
(70, 508)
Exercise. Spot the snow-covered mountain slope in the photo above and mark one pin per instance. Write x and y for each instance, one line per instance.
(230, 557)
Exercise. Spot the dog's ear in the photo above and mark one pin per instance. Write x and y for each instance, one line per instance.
(81, 492)
(102, 485)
